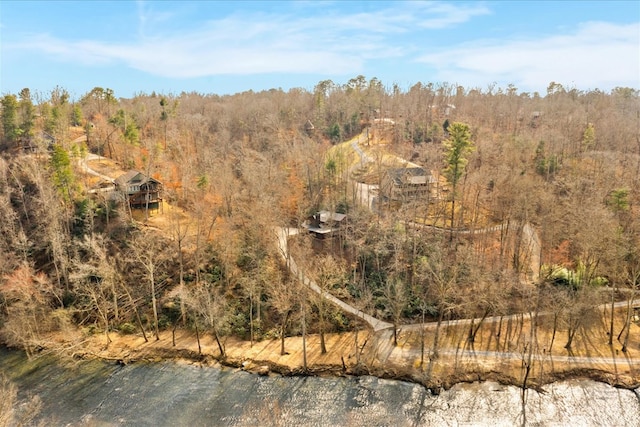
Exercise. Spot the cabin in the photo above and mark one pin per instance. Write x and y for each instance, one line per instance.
(407, 184)
(38, 142)
(140, 190)
(309, 127)
(325, 224)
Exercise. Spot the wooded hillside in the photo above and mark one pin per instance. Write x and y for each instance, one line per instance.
(561, 169)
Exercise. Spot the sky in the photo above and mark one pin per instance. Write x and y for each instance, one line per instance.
(218, 47)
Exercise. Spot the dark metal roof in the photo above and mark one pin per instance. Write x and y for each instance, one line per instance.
(415, 176)
(134, 177)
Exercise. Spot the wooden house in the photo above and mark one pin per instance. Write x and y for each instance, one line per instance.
(141, 191)
(407, 184)
(324, 224)
(41, 141)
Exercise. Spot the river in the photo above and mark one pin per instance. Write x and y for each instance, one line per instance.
(96, 393)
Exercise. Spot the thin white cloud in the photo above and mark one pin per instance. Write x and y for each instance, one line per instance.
(325, 42)
(147, 17)
(596, 55)
(442, 15)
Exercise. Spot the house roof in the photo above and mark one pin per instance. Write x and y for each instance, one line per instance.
(414, 176)
(309, 126)
(326, 216)
(324, 222)
(134, 177)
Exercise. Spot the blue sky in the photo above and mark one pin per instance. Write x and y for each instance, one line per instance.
(229, 47)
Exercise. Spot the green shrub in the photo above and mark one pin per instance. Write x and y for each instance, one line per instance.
(127, 328)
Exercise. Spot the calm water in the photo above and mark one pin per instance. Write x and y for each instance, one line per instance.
(168, 394)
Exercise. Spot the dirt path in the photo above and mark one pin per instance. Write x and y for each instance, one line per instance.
(530, 240)
(84, 165)
(283, 244)
(378, 340)
(283, 235)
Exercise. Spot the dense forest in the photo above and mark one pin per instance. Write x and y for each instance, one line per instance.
(561, 168)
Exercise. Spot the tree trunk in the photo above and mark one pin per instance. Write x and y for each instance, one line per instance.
(357, 346)
(251, 317)
(453, 212)
(116, 313)
(173, 334)
(474, 331)
(422, 342)
(321, 313)
(135, 309)
(627, 324)
(436, 337)
(198, 338)
(183, 309)
(323, 347)
(304, 340)
(106, 331)
(573, 328)
(613, 301)
(555, 328)
(223, 354)
(395, 333)
(154, 303)
(282, 333)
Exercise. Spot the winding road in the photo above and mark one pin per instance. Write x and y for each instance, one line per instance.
(283, 235)
(283, 244)
(84, 166)
(377, 325)
(530, 240)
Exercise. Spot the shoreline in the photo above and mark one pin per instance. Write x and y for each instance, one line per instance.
(261, 359)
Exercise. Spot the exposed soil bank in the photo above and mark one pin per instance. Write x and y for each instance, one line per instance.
(263, 358)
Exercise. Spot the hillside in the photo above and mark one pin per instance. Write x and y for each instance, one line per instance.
(514, 210)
